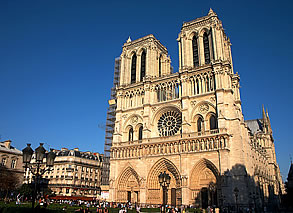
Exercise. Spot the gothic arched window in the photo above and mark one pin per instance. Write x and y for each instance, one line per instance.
(142, 67)
(195, 52)
(133, 69)
(140, 133)
(199, 124)
(208, 84)
(197, 87)
(213, 122)
(206, 46)
(130, 134)
(160, 66)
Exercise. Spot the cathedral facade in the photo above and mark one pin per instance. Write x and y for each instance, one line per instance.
(190, 125)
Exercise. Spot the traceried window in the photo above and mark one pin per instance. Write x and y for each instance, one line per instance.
(133, 69)
(199, 124)
(169, 123)
(167, 91)
(142, 66)
(130, 134)
(195, 52)
(206, 46)
(213, 122)
(140, 133)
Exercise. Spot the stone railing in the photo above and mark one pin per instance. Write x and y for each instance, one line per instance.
(193, 135)
(185, 143)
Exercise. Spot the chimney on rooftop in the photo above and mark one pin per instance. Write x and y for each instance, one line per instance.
(7, 144)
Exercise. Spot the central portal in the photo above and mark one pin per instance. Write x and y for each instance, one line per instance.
(155, 191)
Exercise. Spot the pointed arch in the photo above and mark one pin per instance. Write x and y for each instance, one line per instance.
(200, 124)
(206, 46)
(153, 185)
(130, 121)
(195, 109)
(133, 69)
(140, 132)
(128, 181)
(199, 167)
(213, 121)
(204, 183)
(158, 167)
(195, 51)
(130, 134)
(124, 176)
(143, 65)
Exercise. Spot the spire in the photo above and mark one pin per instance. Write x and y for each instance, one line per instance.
(268, 122)
(211, 12)
(264, 113)
(128, 40)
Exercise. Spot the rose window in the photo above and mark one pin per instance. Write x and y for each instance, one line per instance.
(169, 123)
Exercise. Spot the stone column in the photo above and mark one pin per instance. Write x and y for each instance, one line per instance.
(180, 53)
(214, 44)
(201, 50)
(122, 69)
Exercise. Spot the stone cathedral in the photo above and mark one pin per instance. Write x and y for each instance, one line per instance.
(189, 124)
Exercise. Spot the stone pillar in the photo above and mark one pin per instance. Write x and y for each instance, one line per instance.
(201, 50)
(185, 191)
(122, 74)
(180, 52)
(214, 44)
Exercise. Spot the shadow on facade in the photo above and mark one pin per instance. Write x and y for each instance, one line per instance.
(235, 190)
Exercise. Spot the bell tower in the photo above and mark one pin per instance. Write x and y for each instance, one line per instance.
(203, 41)
(143, 58)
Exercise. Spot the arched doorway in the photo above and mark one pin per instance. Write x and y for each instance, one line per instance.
(128, 186)
(155, 193)
(203, 184)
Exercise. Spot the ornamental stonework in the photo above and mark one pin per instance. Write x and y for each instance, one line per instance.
(204, 108)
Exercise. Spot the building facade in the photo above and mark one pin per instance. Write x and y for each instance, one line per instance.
(74, 173)
(11, 158)
(189, 124)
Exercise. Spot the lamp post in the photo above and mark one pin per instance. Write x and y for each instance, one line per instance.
(35, 167)
(236, 192)
(164, 180)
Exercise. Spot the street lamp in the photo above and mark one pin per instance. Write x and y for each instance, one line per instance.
(35, 167)
(164, 180)
(236, 192)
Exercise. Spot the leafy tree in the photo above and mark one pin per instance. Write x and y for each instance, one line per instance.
(8, 180)
(26, 190)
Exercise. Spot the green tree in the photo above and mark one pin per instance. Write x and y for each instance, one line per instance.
(26, 190)
(8, 180)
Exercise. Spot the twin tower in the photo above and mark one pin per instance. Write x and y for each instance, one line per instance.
(188, 124)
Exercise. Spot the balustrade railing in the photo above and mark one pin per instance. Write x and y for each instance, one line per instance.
(185, 143)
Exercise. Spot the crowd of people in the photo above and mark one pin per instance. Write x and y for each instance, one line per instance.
(101, 206)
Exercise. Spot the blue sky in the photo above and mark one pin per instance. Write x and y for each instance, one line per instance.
(57, 60)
